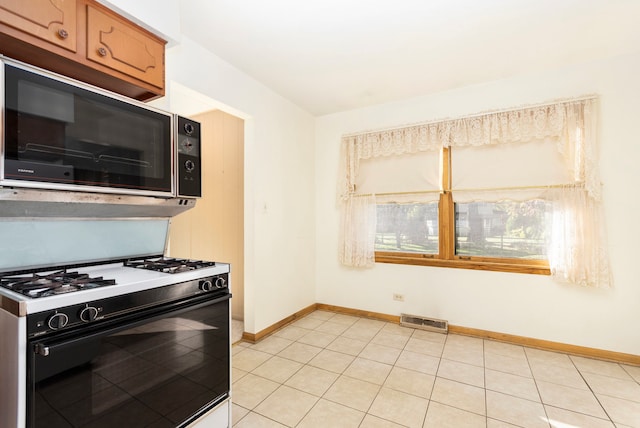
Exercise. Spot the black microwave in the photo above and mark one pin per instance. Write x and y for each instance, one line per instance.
(61, 134)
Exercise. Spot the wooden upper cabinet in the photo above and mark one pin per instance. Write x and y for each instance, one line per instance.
(116, 44)
(53, 21)
(84, 40)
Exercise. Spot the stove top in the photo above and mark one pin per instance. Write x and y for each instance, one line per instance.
(61, 282)
(168, 264)
(30, 291)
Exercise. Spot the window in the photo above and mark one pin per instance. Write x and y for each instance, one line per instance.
(471, 226)
(509, 191)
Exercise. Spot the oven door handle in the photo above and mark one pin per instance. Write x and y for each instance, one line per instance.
(40, 349)
(45, 348)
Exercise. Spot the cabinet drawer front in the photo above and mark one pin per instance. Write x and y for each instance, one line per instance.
(125, 48)
(53, 21)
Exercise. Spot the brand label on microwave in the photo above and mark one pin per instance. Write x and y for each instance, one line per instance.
(15, 169)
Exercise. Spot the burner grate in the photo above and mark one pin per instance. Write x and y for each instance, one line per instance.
(168, 264)
(61, 282)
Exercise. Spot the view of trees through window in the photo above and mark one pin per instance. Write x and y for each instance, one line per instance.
(409, 228)
(502, 229)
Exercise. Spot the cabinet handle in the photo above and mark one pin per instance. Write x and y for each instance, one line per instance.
(102, 52)
(63, 33)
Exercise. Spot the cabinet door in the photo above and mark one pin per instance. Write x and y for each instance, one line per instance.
(53, 21)
(124, 47)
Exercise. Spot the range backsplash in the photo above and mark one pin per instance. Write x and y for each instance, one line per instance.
(39, 242)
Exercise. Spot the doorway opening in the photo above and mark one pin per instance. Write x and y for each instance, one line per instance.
(214, 228)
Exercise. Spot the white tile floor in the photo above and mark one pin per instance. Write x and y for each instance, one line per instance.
(337, 371)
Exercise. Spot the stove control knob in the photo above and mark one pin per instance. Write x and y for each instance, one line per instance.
(58, 321)
(89, 314)
(220, 282)
(206, 285)
(189, 165)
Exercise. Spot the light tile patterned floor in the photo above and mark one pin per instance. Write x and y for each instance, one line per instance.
(337, 371)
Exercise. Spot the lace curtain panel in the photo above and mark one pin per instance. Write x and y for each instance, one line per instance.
(577, 251)
(358, 231)
(570, 126)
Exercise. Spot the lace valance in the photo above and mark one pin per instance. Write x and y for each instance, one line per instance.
(570, 124)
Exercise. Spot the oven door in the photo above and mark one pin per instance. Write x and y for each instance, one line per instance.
(163, 370)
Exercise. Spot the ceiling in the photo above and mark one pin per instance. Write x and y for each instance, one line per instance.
(328, 56)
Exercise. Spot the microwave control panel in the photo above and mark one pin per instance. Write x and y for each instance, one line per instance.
(188, 171)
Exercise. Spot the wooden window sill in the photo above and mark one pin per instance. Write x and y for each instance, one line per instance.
(535, 267)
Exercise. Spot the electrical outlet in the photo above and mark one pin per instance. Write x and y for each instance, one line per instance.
(398, 297)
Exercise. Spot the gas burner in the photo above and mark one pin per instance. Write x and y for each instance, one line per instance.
(168, 264)
(50, 284)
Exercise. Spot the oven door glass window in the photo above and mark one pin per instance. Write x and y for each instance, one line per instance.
(59, 133)
(162, 373)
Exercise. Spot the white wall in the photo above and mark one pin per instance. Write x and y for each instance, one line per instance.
(526, 305)
(279, 184)
(279, 167)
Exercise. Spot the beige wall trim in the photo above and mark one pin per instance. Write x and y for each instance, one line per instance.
(546, 345)
(255, 337)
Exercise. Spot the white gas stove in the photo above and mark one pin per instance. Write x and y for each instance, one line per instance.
(139, 330)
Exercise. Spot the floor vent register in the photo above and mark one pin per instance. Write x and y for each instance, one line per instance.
(424, 323)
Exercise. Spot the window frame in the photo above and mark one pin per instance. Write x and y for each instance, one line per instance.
(446, 256)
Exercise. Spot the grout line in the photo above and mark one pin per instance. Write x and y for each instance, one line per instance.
(535, 382)
(592, 392)
(484, 380)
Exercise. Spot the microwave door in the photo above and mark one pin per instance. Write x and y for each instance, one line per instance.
(61, 134)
